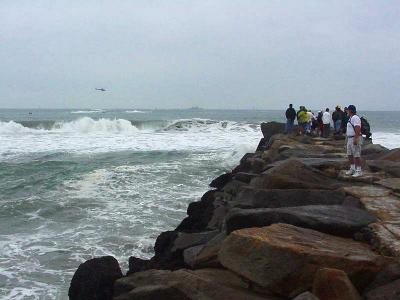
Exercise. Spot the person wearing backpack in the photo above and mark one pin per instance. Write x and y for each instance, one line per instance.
(354, 142)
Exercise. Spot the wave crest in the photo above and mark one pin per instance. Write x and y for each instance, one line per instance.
(89, 125)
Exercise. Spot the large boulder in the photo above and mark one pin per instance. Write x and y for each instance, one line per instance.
(195, 285)
(170, 245)
(293, 174)
(373, 151)
(390, 167)
(199, 214)
(205, 256)
(390, 291)
(392, 155)
(283, 258)
(250, 197)
(333, 284)
(333, 219)
(221, 180)
(94, 279)
(271, 128)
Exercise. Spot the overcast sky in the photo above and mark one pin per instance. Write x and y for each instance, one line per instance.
(212, 54)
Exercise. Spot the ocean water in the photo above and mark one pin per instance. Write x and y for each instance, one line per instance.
(75, 184)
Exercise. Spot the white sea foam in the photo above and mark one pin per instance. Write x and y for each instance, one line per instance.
(86, 135)
(389, 140)
(89, 125)
(94, 111)
(135, 112)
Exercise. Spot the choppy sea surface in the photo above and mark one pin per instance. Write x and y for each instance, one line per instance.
(75, 184)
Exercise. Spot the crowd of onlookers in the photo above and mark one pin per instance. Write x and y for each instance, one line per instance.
(319, 123)
(342, 121)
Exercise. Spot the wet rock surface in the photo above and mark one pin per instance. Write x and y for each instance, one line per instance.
(274, 227)
(283, 258)
(94, 279)
(333, 219)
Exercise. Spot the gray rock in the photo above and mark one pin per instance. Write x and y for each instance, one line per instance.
(250, 197)
(244, 177)
(154, 292)
(306, 296)
(388, 166)
(187, 240)
(293, 174)
(207, 255)
(94, 279)
(389, 291)
(333, 219)
(195, 285)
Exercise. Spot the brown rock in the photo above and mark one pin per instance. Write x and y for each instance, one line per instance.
(390, 167)
(391, 183)
(250, 197)
(386, 208)
(367, 191)
(196, 285)
(283, 258)
(306, 296)
(207, 256)
(368, 177)
(392, 155)
(389, 291)
(385, 237)
(293, 174)
(333, 284)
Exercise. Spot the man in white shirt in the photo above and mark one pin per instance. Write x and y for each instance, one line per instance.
(326, 120)
(354, 142)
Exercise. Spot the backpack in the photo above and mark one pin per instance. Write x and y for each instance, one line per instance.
(365, 127)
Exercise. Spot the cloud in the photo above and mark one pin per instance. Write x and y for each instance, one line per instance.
(217, 54)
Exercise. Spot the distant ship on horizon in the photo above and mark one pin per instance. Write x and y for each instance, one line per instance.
(194, 108)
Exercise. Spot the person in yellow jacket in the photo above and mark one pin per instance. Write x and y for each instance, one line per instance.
(303, 119)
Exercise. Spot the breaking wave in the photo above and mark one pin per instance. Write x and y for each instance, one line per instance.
(103, 125)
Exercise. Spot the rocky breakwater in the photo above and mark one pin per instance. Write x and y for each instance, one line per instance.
(286, 223)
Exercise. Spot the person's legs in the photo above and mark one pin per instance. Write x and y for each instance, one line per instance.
(337, 126)
(290, 126)
(357, 158)
(326, 130)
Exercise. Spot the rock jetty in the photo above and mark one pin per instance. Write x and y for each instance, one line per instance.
(286, 223)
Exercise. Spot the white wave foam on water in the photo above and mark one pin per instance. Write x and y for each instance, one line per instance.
(89, 125)
(12, 127)
(86, 136)
(135, 112)
(94, 111)
(389, 140)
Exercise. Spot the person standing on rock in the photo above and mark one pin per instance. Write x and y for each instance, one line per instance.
(337, 117)
(290, 117)
(354, 142)
(326, 120)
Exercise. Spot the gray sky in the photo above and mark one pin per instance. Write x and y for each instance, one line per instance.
(213, 54)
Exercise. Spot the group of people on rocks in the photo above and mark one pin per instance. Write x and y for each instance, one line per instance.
(319, 123)
(342, 121)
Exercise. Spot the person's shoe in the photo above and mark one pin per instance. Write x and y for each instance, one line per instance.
(350, 172)
(358, 173)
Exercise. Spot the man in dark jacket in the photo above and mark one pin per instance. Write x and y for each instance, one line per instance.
(337, 118)
(290, 117)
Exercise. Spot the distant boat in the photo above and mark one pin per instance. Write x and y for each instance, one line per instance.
(101, 89)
